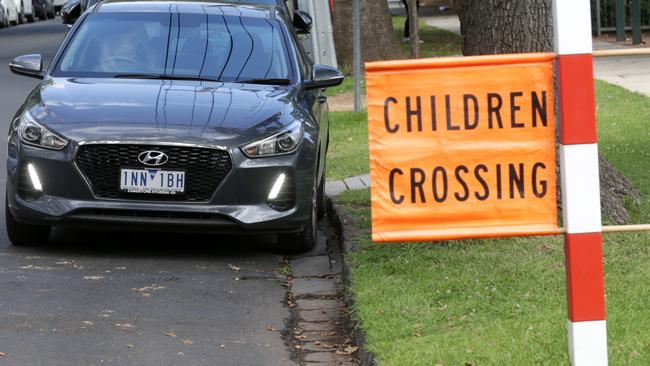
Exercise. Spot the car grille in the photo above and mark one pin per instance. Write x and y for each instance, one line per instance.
(204, 170)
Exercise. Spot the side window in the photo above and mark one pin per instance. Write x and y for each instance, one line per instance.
(304, 62)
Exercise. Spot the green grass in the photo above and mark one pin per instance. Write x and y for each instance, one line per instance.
(437, 42)
(502, 301)
(346, 87)
(348, 151)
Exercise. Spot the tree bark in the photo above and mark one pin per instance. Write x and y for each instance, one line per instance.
(378, 41)
(500, 26)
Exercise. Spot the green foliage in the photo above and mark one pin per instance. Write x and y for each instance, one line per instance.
(348, 151)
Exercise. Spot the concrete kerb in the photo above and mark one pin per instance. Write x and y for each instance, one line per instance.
(336, 187)
(338, 219)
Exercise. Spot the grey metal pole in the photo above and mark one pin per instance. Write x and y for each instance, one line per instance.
(620, 20)
(636, 22)
(356, 45)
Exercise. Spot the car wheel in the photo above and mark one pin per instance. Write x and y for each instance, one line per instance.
(30, 17)
(320, 195)
(304, 241)
(51, 14)
(25, 234)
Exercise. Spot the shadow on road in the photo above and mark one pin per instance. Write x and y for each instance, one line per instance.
(134, 244)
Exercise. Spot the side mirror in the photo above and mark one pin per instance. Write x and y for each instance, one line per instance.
(71, 11)
(324, 77)
(28, 65)
(302, 22)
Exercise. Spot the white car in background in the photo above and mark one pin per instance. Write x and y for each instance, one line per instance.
(18, 11)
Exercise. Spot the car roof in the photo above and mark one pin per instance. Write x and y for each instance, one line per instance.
(240, 8)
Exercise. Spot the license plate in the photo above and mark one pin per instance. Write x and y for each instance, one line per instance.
(153, 181)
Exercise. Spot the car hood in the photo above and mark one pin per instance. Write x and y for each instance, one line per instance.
(220, 114)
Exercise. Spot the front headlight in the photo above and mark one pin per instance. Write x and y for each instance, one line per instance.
(279, 144)
(33, 133)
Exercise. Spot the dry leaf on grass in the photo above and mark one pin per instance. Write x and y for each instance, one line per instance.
(234, 268)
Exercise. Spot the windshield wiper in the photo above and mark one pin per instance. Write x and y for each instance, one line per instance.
(163, 77)
(266, 81)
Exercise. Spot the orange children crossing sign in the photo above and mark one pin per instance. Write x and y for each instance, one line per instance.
(462, 147)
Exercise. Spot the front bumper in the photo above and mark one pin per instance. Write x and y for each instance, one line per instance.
(239, 204)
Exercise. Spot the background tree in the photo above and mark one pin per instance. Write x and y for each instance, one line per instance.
(497, 26)
(378, 41)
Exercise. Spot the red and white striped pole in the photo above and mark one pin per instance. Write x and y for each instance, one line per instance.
(580, 183)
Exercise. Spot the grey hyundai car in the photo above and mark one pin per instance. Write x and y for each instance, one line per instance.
(182, 115)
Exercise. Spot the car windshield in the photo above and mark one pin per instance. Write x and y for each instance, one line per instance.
(164, 45)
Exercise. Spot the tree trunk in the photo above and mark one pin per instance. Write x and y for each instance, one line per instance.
(378, 41)
(497, 26)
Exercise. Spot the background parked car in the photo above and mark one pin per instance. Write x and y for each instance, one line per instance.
(58, 4)
(26, 9)
(4, 18)
(43, 9)
(11, 11)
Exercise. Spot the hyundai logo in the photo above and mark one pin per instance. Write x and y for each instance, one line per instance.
(153, 158)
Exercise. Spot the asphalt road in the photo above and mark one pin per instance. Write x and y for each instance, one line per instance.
(96, 298)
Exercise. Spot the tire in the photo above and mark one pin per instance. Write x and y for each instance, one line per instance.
(25, 234)
(304, 241)
(51, 14)
(320, 195)
(30, 17)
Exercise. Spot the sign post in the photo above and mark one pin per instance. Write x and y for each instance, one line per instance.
(580, 183)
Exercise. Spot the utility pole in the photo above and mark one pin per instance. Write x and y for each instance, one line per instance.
(356, 45)
(414, 29)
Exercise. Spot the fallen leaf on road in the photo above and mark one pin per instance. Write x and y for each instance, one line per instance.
(88, 322)
(347, 351)
(234, 268)
(2, 354)
(150, 288)
(223, 346)
(129, 346)
(125, 326)
(188, 342)
(270, 328)
(171, 334)
(94, 277)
